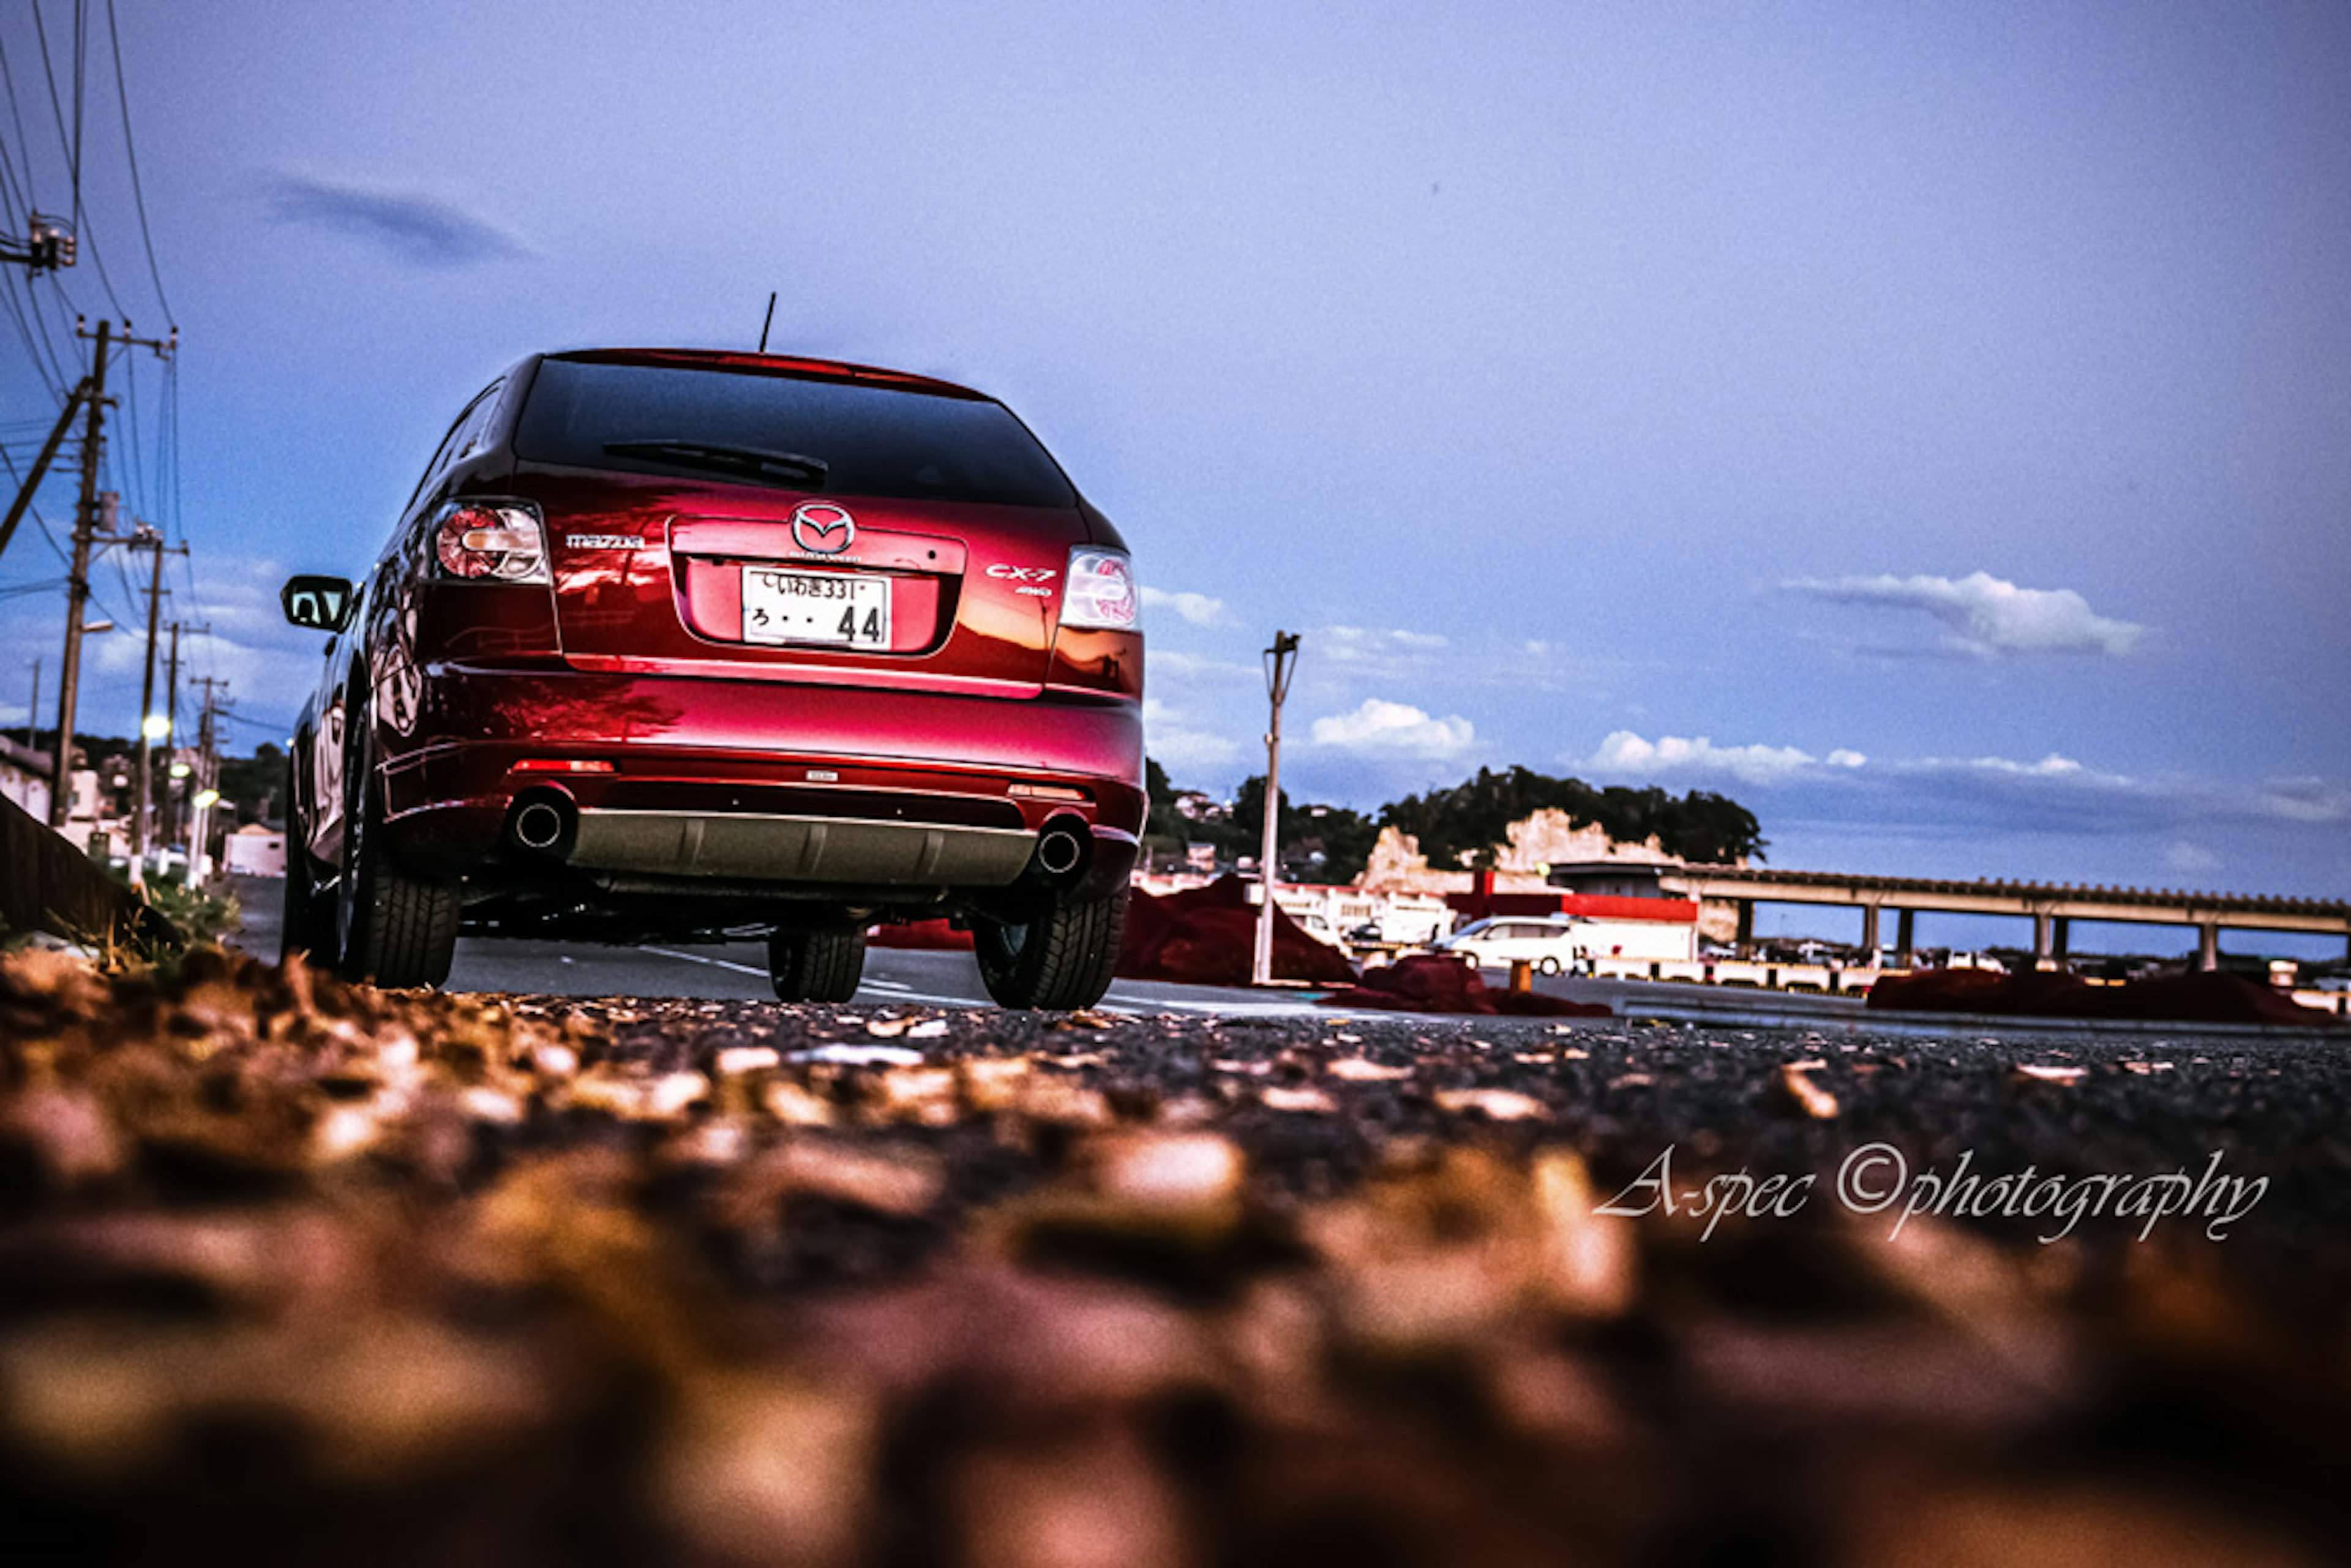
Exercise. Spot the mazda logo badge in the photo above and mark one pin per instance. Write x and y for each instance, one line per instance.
(821, 528)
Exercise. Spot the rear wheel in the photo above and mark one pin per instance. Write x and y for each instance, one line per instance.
(1063, 959)
(816, 965)
(1547, 965)
(393, 927)
(309, 927)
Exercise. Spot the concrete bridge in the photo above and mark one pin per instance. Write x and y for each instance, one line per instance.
(2051, 907)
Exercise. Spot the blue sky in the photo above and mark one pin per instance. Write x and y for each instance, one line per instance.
(1926, 425)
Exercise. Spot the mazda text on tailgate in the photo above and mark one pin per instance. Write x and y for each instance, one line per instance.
(676, 644)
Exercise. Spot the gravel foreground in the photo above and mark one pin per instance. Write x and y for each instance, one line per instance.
(292, 1271)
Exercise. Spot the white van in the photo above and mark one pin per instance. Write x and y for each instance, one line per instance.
(1555, 944)
(1552, 944)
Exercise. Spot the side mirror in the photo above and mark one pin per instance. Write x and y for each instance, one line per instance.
(320, 603)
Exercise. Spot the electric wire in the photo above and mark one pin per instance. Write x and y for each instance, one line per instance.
(35, 332)
(130, 152)
(149, 481)
(24, 144)
(57, 108)
(135, 490)
(83, 236)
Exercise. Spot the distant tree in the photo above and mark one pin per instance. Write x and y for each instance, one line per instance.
(1164, 821)
(253, 785)
(1470, 823)
(1248, 812)
(1713, 829)
(1342, 838)
(1465, 825)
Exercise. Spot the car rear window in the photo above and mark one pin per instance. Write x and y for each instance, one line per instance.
(873, 440)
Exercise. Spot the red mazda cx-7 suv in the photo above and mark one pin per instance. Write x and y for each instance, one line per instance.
(672, 643)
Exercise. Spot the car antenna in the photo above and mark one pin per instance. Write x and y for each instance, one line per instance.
(769, 322)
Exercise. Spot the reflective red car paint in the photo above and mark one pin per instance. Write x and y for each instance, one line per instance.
(671, 642)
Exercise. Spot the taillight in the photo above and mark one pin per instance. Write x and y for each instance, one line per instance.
(497, 542)
(1101, 590)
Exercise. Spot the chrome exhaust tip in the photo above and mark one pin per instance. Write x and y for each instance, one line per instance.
(1058, 851)
(542, 824)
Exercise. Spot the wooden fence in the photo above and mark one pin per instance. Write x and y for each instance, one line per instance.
(47, 884)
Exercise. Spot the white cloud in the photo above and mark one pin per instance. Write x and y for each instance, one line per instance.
(1177, 743)
(1365, 652)
(1988, 617)
(2050, 766)
(1393, 729)
(1167, 663)
(2193, 860)
(411, 227)
(1624, 752)
(1198, 608)
(2304, 800)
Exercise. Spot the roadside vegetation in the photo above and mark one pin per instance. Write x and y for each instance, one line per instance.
(1457, 828)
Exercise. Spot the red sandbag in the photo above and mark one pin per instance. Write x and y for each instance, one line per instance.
(922, 934)
(1435, 983)
(2209, 997)
(1208, 937)
(1938, 990)
(2200, 997)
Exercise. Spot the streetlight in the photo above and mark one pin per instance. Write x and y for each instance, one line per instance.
(199, 864)
(1280, 661)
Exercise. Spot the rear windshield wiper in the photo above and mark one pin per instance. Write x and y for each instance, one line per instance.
(749, 460)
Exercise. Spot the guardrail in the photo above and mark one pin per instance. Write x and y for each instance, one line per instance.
(47, 884)
(1827, 979)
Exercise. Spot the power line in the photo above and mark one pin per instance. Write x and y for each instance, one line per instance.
(23, 143)
(42, 351)
(130, 151)
(129, 468)
(56, 110)
(172, 422)
(234, 717)
(41, 522)
(72, 144)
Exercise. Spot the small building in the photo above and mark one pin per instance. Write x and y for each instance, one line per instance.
(254, 851)
(24, 777)
(1610, 878)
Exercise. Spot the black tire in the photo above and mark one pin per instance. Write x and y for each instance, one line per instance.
(309, 927)
(816, 965)
(392, 927)
(1546, 965)
(1063, 959)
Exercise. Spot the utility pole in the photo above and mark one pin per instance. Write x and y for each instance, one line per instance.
(86, 534)
(78, 579)
(199, 861)
(1280, 660)
(168, 815)
(40, 468)
(49, 244)
(145, 538)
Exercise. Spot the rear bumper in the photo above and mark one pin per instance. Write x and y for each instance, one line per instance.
(761, 779)
(785, 848)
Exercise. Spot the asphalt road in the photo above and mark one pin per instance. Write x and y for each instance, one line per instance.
(738, 971)
(1278, 1283)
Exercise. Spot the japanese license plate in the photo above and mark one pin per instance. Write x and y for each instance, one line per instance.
(841, 610)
